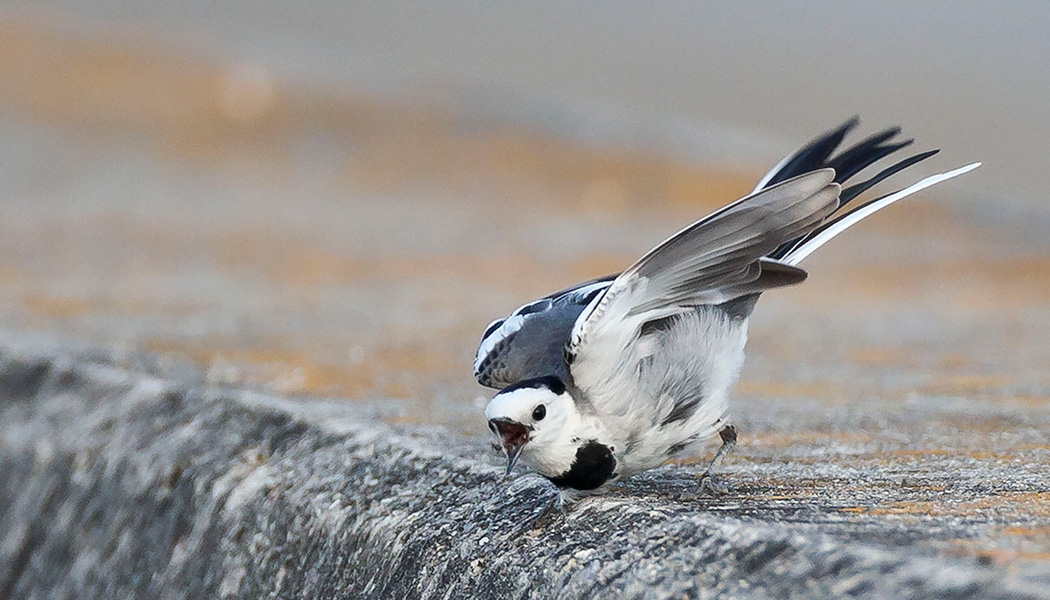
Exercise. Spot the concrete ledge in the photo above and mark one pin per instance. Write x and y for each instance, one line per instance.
(119, 484)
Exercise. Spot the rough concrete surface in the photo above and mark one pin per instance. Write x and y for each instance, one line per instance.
(123, 484)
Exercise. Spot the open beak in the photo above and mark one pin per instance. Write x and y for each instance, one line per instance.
(514, 436)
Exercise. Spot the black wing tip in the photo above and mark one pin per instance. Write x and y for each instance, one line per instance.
(865, 153)
(850, 123)
(815, 153)
(841, 129)
(891, 148)
(837, 134)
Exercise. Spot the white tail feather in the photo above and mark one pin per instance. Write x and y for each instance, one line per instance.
(796, 255)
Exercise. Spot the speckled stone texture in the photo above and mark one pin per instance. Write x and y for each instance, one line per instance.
(116, 484)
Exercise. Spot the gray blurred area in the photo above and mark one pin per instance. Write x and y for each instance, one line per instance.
(971, 76)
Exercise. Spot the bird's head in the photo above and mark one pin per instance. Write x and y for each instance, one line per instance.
(530, 418)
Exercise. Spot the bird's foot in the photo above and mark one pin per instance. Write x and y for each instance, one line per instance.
(713, 485)
(554, 509)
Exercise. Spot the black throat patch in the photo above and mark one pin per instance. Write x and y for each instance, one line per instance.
(593, 466)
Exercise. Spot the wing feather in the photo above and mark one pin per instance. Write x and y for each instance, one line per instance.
(716, 259)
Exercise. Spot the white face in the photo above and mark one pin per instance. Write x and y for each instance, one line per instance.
(543, 415)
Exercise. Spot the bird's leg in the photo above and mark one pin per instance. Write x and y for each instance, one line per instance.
(709, 482)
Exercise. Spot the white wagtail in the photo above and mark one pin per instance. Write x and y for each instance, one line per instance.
(617, 375)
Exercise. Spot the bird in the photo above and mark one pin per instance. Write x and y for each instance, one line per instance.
(619, 374)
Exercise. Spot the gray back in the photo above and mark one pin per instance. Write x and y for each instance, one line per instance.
(537, 347)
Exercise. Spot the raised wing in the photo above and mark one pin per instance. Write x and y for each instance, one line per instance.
(716, 259)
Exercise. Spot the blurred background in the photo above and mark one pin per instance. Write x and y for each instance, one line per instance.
(335, 198)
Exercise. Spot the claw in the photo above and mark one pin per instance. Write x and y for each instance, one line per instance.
(554, 510)
(713, 485)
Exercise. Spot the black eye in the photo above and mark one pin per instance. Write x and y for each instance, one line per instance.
(539, 412)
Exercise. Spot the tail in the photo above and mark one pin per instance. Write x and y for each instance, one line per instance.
(848, 163)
